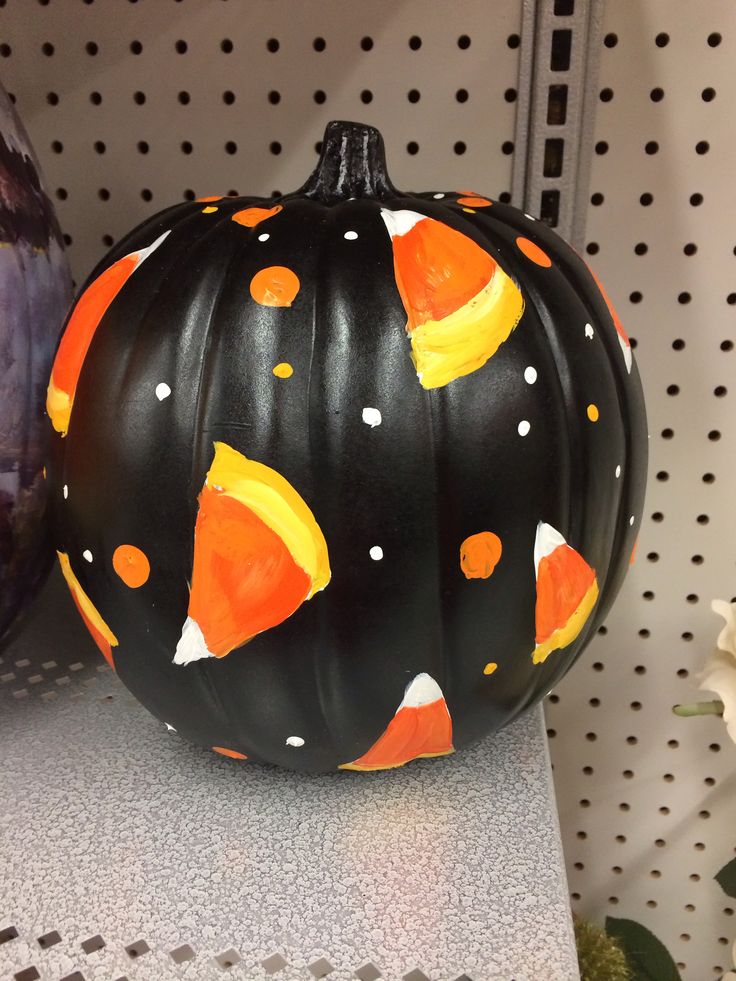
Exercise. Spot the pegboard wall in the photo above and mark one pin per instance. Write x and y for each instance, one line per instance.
(646, 798)
(133, 106)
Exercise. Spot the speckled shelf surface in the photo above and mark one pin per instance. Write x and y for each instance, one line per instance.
(126, 853)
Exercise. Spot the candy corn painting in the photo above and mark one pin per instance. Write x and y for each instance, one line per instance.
(421, 728)
(460, 304)
(258, 555)
(567, 591)
(305, 451)
(80, 330)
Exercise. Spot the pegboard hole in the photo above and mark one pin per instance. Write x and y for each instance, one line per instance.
(412, 147)
(366, 43)
(641, 248)
(226, 46)
(605, 95)
(136, 47)
(690, 249)
(319, 44)
(319, 97)
(714, 39)
(415, 42)
(463, 42)
(95, 98)
(272, 45)
(513, 41)
(460, 96)
(696, 199)
(657, 94)
(708, 94)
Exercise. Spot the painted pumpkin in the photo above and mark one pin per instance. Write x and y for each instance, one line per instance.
(35, 292)
(349, 477)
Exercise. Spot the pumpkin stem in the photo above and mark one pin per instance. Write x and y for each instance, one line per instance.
(352, 164)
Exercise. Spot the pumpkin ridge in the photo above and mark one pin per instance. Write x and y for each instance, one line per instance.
(594, 302)
(596, 310)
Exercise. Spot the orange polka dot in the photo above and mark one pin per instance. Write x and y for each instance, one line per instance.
(132, 565)
(533, 252)
(209, 210)
(475, 202)
(479, 555)
(229, 752)
(250, 217)
(490, 667)
(212, 197)
(593, 413)
(283, 370)
(275, 286)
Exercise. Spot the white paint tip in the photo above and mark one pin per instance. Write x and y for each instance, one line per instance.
(400, 222)
(632, 519)
(294, 741)
(350, 236)
(546, 541)
(589, 331)
(65, 491)
(264, 237)
(372, 417)
(626, 349)
(376, 553)
(192, 645)
(618, 470)
(423, 690)
(142, 254)
(437, 197)
(530, 375)
(162, 391)
(86, 554)
(170, 728)
(524, 427)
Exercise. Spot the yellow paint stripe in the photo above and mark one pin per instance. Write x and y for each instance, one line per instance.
(59, 408)
(567, 634)
(462, 342)
(85, 603)
(278, 504)
(393, 766)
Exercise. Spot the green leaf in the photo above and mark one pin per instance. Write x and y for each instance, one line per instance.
(648, 958)
(726, 878)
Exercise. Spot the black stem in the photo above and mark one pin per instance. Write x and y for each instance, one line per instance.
(352, 164)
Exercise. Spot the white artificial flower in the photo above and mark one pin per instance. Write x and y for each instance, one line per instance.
(719, 674)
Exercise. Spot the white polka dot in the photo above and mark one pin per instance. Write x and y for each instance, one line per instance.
(264, 237)
(530, 375)
(294, 741)
(162, 391)
(66, 491)
(523, 427)
(631, 520)
(376, 553)
(438, 196)
(86, 554)
(371, 417)
(350, 236)
(618, 470)
(589, 331)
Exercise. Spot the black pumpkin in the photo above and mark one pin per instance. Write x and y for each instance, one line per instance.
(347, 477)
